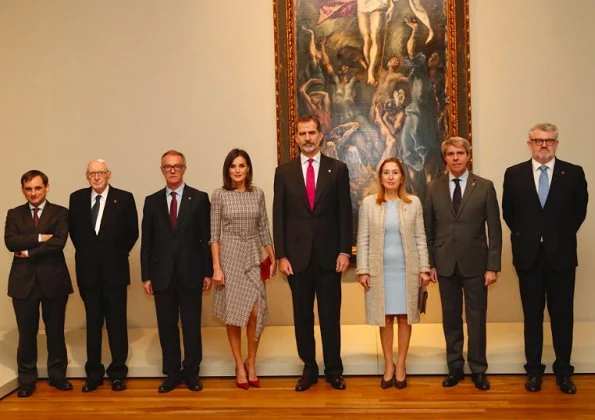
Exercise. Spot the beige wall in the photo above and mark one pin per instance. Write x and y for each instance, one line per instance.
(125, 80)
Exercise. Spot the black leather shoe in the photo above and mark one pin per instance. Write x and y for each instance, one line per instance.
(337, 382)
(91, 385)
(118, 385)
(387, 384)
(194, 384)
(305, 383)
(481, 381)
(454, 377)
(25, 391)
(566, 385)
(401, 384)
(169, 384)
(61, 384)
(533, 383)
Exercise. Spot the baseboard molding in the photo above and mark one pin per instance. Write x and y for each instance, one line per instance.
(277, 356)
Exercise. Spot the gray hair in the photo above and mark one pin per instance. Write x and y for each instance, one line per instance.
(547, 127)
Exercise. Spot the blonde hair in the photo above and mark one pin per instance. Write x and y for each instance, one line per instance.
(380, 197)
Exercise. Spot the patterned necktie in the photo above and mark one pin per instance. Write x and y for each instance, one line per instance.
(36, 215)
(543, 186)
(173, 210)
(456, 196)
(95, 212)
(310, 184)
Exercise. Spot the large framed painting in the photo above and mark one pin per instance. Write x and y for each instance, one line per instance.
(384, 78)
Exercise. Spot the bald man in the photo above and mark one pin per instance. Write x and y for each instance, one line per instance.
(103, 225)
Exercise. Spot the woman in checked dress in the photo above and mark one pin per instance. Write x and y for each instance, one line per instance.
(239, 230)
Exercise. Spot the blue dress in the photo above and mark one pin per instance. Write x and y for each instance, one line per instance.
(395, 296)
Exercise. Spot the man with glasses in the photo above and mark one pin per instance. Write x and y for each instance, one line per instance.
(36, 233)
(544, 203)
(176, 267)
(103, 225)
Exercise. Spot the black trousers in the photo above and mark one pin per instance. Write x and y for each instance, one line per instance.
(326, 286)
(53, 312)
(539, 285)
(179, 303)
(452, 289)
(106, 303)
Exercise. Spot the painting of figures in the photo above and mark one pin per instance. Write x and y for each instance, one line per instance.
(384, 78)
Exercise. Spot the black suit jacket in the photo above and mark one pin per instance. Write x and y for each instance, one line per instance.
(325, 231)
(184, 250)
(46, 263)
(460, 240)
(557, 222)
(107, 252)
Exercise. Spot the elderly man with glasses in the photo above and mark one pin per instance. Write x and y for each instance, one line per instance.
(103, 225)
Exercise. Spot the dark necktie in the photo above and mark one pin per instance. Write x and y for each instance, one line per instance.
(456, 196)
(36, 215)
(173, 210)
(95, 211)
(310, 184)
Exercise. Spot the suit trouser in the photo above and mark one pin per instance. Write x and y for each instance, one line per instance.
(452, 289)
(326, 286)
(180, 303)
(27, 315)
(538, 285)
(103, 302)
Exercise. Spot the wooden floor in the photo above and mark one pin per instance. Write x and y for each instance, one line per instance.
(424, 398)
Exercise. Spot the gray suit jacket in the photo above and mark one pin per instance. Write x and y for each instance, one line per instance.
(460, 240)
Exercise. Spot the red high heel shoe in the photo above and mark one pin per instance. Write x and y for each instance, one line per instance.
(256, 383)
(242, 385)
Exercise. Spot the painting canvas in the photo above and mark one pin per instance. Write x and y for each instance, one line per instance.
(384, 78)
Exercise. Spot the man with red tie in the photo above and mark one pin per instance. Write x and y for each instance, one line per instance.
(36, 233)
(313, 237)
(176, 267)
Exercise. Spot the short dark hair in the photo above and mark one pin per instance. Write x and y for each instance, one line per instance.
(308, 118)
(231, 156)
(29, 175)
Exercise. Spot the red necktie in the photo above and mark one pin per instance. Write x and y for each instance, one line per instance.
(173, 210)
(36, 215)
(310, 184)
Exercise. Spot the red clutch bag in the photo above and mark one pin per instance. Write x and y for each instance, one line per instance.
(265, 268)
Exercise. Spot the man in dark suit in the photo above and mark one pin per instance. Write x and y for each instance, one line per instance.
(544, 204)
(36, 233)
(176, 267)
(103, 226)
(459, 207)
(313, 237)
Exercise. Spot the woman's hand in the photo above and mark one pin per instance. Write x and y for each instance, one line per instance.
(273, 267)
(424, 279)
(364, 280)
(218, 278)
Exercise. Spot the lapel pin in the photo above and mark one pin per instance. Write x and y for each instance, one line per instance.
(189, 198)
(562, 173)
(115, 201)
(329, 171)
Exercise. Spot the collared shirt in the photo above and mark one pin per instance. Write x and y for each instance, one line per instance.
(179, 194)
(315, 165)
(537, 171)
(101, 206)
(40, 208)
(463, 183)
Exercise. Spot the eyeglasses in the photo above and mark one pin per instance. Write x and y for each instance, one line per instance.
(540, 142)
(100, 174)
(178, 167)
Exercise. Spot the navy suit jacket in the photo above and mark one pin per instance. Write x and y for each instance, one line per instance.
(107, 252)
(556, 223)
(184, 250)
(327, 230)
